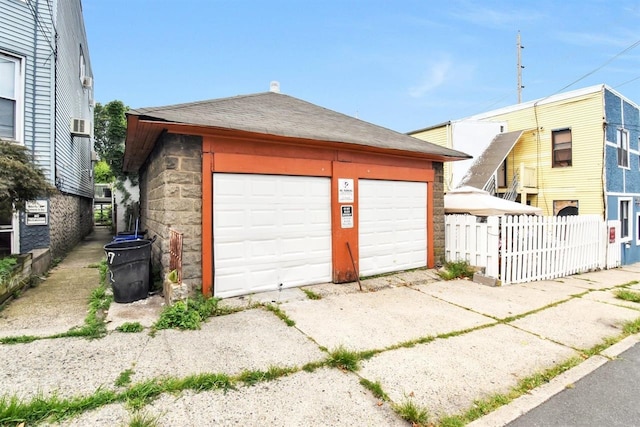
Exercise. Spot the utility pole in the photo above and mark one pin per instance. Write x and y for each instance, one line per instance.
(519, 48)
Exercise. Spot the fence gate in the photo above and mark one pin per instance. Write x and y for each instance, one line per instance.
(475, 240)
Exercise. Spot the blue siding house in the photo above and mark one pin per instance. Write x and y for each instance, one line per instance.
(622, 171)
(46, 99)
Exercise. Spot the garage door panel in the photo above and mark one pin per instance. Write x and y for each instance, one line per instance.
(392, 225)
(280, 232)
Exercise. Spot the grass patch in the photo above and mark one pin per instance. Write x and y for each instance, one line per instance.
(22, 339)
(344, 359)
(311, 295)
(274, 372)
(124, 378)
(631, 327)
(413, 413)
(312, 366)
(130, 327)
(627, 295)
(190, 313)
(278, 312)
(375, 388)
(456, 270)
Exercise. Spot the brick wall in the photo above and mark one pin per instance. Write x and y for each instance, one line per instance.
(171, 198)
(70, 220)
(438, 213)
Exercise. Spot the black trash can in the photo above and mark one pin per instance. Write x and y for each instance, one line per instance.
(129, 269)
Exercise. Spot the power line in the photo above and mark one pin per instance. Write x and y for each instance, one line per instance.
(599, 68)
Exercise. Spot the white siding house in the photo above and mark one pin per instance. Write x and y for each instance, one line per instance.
(46, 85)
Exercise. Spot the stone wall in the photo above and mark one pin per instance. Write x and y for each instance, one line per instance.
(171, 198)
(438, 213)
(70, 220)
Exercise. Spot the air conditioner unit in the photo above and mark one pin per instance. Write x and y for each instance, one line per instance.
(80, 127)
(87, 82)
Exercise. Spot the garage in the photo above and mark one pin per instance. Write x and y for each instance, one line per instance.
(393, 225)
(270, 232)
(265, 191)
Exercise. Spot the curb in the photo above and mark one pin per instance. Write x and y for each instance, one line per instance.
(520, 406)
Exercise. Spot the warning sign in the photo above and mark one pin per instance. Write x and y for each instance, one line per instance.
(36, 219)
(346, 217)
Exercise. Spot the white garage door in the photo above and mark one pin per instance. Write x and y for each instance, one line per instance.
(392, 225)
(270, 230)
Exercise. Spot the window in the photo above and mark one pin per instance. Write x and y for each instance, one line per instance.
(624, 215)
(623, 148)
(561, 141)
(638, 228)
(9, 97)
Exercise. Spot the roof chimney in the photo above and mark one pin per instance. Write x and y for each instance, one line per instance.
(274, 87)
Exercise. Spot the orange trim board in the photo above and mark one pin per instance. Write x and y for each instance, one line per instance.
(207, 225)
(245, 163)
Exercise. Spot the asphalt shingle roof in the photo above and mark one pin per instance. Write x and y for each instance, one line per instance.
(278, 114)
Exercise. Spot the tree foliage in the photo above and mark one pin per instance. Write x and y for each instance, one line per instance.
(21, 179)
(102, 172)
(110, 130)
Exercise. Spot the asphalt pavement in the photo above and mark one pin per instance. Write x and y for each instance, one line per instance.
(441, 346)
(606, 397)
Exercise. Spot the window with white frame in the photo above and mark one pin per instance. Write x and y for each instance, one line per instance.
(623, 148)
(561, 147)
(624, 215)
(10, 97)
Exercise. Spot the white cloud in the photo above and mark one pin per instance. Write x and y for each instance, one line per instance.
(435, 76)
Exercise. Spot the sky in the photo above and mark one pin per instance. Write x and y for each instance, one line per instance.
(401, 64)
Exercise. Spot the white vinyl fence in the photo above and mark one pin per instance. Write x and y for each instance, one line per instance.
(517, 249)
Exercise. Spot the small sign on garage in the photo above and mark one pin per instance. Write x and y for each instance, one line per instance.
(346, 217)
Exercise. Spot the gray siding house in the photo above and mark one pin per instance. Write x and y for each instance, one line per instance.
(46, 99)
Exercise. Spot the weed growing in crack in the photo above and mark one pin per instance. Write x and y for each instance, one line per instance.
(124, 378)
(143, 420)
(413, 413)
(375, 388)
(278, 312)
(627, 295)
(130, 327)
(311, 295)
(344, 359)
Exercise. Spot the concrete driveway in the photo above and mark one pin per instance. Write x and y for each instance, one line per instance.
(440, 345)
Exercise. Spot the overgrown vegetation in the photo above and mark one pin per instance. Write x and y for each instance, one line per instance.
(6, 268)
(13, 411)
(130, 327)
(456, 270)
(628, 295)
(190, 313)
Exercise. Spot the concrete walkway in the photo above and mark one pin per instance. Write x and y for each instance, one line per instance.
(440, 345)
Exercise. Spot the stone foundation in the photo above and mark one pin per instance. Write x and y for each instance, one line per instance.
(70, 220)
